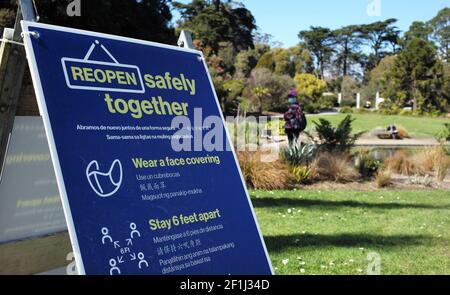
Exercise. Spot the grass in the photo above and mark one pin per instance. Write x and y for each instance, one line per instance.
(318, 232)
(416, 126)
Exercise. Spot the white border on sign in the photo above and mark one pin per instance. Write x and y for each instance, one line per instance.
(126, 90)
(52, 146)
(53, 151)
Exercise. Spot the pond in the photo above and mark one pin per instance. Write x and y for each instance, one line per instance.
(382, 153)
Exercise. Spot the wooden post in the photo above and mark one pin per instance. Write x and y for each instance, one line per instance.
(12, 68)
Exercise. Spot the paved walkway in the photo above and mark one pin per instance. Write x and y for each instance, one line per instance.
(372, 142)
(407, 142)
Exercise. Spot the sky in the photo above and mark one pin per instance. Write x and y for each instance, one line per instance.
(284, 19)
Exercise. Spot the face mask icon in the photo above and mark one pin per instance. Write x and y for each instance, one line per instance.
(104, 184)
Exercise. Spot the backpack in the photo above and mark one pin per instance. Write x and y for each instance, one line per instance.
(303, 122)
(295, 118)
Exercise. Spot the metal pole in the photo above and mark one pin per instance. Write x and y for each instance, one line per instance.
(28, 10)
(185, 40)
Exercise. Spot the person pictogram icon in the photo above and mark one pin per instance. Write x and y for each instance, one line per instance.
(106, 236)
(134, 230)
(142, 261)
(114, 268)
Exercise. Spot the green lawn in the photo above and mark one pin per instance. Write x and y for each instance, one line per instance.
(332, 232)
(416, 126)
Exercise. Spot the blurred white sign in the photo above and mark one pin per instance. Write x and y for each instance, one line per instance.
(30, 205)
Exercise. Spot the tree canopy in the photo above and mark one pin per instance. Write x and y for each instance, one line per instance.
(216, 21)
(143, 19)
(253, 71)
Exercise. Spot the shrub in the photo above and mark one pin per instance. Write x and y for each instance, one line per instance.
(425, 161)
(311, 108)
(446, 150)
(386, 112)
(383, 178)
(402, 132)
(406, 112)
(434, 159)
(297, 155)
(263, 175)
(336, 139)
(351, 103)
(442, 163)
(402, 162)
(427, 158)
(442, 169)
(363, 111)
(444, 135)
(301, 174)
(328, 101)
(366, 164)
(335, 167)
(346, 110)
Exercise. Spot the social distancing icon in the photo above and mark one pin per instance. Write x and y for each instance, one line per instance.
(105, 236)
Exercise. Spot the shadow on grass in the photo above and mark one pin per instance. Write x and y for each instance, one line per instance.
(278, 243)
(288, 202)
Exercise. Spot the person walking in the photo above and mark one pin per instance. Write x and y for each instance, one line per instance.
(295, 119)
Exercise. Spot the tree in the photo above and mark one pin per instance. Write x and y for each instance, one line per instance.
(227, 55)
(349, 87)
(318, 41)
(215, 22)
(261, 93)
(290, 61)
(282, 61)
(309, 87)
(279, 90)
(246, 60)
(417, 76)
(145, 19)
(260, 79)
(234, 90)
(378, 35)
(302, 60)
(349, 39)
(441, 33)
(7, 18)
(419, 30)
(242, 26)
(266, 62)
(374, 78)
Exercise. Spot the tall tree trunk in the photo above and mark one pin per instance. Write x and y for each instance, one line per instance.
(345, 66)
(216, 4)
(346, 53)
(322, 70)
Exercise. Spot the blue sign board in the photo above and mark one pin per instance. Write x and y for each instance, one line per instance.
(135, 143)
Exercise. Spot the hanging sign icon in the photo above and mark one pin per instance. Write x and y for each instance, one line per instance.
(85, 74)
